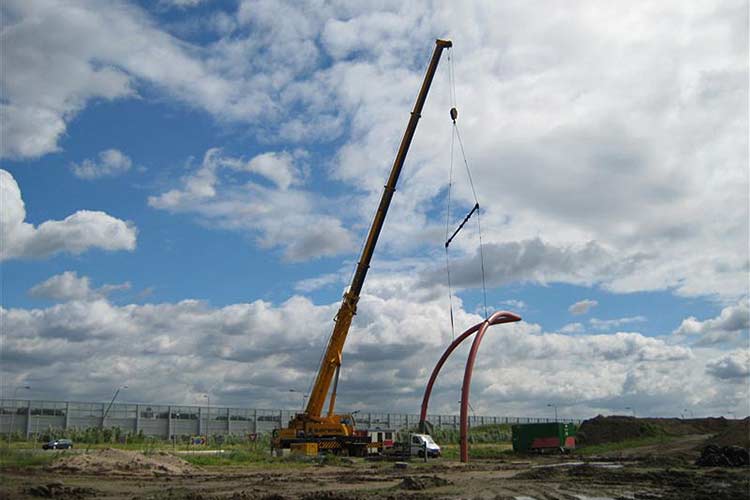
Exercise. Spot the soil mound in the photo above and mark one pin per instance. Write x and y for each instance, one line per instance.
(60, 491)
(111, 461)
(736, 434)
(422, 482)
(621, 428)
(727, 456)
(602, 429)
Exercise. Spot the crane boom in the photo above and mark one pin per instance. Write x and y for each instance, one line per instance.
(311, 426)
(332, 358)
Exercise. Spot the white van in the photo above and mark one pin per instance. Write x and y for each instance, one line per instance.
(420, 442)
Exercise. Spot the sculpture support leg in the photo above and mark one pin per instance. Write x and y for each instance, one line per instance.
(495, 319)
(464, 449)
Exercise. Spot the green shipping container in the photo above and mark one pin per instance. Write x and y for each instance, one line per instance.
(544, 437)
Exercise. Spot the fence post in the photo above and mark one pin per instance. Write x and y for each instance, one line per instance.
(67, 415)
(28, 419)
(228, 429)
(255, 421)
(169, 422)
(137, 418)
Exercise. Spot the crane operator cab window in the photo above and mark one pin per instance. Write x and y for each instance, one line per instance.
(347, 420)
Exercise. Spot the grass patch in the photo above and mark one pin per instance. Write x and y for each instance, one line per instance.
(20, 459)
(234, 457)
(602, 449)
(491, 433)
(482, 450)
(242, 458)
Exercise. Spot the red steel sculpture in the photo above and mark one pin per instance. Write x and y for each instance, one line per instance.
(496, 318)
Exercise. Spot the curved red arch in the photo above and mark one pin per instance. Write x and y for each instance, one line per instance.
(496, 318)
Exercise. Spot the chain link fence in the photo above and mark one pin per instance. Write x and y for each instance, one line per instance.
(32, 417)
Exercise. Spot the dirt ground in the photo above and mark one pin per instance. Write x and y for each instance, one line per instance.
(651, 472)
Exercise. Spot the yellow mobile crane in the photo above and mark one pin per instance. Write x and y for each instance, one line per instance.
(311, 431)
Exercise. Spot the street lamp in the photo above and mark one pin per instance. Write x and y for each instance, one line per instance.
(15, 409)
(304, 396)
(631, 409)
(550, 405)
(106, 412)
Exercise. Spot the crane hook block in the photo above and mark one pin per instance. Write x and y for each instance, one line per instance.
(454, 114)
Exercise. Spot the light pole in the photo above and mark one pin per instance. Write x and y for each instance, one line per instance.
(208, 415)
(15, 410)
(106, 412)
(304, 397)
(631, 409)
(550, 405)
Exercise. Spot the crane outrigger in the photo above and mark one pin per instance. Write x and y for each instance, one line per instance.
(311, 430)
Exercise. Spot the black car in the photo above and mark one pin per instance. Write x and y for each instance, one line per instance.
(58, 444)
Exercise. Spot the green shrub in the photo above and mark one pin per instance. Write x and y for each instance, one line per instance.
(21, 459)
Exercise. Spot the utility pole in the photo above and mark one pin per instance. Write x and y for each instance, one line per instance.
(15, 410)
(106, 412)
(208, 415)
(550, 405)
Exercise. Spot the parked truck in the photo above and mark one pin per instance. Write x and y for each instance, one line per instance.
(412, 445)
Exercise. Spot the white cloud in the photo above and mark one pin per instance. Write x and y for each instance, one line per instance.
(731, 327)
(75, 234)
(311, 284)
(582, 307)
(181, 4)
(243, 354)
(606, 324)
(112, 162)
(517, 304)
(61, 55)
(280, 215)
(573, 328)
(587, 197)
(68, 286)
(733, 366)
(537, 261)
(599, 178)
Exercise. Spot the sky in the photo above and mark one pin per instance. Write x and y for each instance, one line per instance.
(186, 186)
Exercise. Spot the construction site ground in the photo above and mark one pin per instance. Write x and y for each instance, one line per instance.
(660, 469)
(654, 471)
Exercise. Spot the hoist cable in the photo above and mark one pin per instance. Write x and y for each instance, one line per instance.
(447, 229)
(466, 163)
(481, 260)
(479, 225)
(455, 133)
